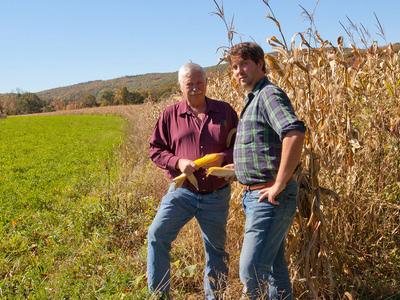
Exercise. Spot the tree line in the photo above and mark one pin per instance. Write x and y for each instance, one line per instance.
(21, 103)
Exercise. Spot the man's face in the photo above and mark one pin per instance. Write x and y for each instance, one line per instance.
(194, 88)
(246, 72)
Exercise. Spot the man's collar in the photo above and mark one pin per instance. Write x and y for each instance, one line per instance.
(259, 85)
(184, 108)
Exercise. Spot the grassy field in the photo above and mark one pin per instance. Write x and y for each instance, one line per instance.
(53, 233)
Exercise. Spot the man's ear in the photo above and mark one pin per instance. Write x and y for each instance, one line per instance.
(261, 63)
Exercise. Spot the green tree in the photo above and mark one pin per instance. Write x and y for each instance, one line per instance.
(166, 91)
(29, 103)
(122, 96)
(136, 97)
(88, 100)
(1, 105)
(49, 108)
(106, 97)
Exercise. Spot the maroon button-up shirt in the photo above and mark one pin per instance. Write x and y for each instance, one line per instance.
(177, 134)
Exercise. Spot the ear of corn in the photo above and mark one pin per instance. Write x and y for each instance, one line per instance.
(206, 159)
(220, 172)
(193, 180)
(179, 180)
(229, 138)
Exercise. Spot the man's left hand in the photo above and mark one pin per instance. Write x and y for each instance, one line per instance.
(271, 192)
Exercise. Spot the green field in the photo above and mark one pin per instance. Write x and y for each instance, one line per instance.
(45, 160)
(53, 233)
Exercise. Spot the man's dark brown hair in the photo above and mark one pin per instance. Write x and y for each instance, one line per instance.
(247, 51)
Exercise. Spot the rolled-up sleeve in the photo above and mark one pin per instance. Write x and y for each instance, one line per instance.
(159, 150)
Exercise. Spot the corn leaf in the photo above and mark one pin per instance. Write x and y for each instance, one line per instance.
(389, 87)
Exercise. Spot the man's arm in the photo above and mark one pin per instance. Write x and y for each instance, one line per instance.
(292, 146)
(160, 150)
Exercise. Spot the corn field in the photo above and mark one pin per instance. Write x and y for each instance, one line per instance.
(344, 242)
(345, 239)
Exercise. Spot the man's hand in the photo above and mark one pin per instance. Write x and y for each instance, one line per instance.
(186, 166)
(271, 193)
(233, 177)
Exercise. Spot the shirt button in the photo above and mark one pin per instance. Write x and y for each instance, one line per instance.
(203, 178)
(201, 147)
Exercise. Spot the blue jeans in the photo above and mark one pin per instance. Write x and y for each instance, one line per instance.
(263, 269)
(178, 208)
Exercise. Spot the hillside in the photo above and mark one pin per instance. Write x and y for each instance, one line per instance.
(144, 82)
(138, 87)
(151, 81)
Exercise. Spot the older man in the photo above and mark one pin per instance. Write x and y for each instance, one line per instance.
(267, 150)
(186, 131)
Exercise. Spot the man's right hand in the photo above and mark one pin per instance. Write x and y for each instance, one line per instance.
(186, 166)
(233, 177)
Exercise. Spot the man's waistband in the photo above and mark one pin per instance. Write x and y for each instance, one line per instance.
(226, 184)
(263, 185)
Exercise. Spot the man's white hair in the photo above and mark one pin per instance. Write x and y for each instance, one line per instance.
(188, 69)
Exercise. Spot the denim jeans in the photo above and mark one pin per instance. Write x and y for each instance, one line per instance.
(178, 208)
(263, 269)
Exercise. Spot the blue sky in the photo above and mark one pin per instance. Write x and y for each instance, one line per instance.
(46, 44)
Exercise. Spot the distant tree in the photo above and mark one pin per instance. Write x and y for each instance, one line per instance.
(166, 91)
(29, 103)
(106, 97)
(10, 103)
(122, 96)
(88, 100)
(149, 96)
(59, 104)
(136, 97)
(49, 108)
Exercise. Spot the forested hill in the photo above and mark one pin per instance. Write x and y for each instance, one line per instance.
(149, 82)
(120, 91)
(124, 90)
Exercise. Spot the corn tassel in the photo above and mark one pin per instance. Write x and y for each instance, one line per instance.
(220, 172)
(179, 180)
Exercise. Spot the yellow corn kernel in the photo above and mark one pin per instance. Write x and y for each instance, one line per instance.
(206, 159)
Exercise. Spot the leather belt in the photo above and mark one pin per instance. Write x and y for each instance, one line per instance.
(200, 192)
(263, 185)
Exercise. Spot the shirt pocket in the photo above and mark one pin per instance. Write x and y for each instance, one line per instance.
(248, 138)
(219, 134)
